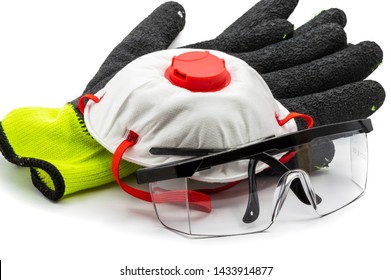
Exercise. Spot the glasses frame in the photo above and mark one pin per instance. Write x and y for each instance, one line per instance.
(187, 167)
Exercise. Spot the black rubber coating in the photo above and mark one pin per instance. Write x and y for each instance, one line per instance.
(349, 102)
(154, 33)
(263, 11)
(350, 65)
(318, 42)
(259, 36)
(336, 16)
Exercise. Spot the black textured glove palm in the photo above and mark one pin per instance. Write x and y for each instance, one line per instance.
(316, 72)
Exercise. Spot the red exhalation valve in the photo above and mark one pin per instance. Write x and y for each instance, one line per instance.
(198, 71)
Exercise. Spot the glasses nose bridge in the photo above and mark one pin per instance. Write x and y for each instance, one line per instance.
(284, 185)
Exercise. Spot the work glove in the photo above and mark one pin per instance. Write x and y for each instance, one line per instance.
(246, 38)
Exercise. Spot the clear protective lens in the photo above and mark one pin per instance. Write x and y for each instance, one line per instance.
(228, 206)
(174, 215)
(342, 178)
(336, 167)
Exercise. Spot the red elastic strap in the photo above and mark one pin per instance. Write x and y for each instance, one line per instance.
(294, 115)
(196, 199)
(82, 103)
(129, 142)
(287, 157)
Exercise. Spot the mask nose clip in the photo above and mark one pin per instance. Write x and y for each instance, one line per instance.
(284, 185)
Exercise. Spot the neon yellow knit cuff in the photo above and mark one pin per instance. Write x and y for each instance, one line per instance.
(55, 144)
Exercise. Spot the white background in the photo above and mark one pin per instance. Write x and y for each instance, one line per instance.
(49, 50)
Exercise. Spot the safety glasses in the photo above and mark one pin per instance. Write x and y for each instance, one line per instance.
(325, 168)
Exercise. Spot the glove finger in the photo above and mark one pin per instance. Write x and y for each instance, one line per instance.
(329, 16)
(349, 102)
(262, 35)
(350, 65)
(154, 33)
(318, 42)
(268, 33)
(263, 11)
